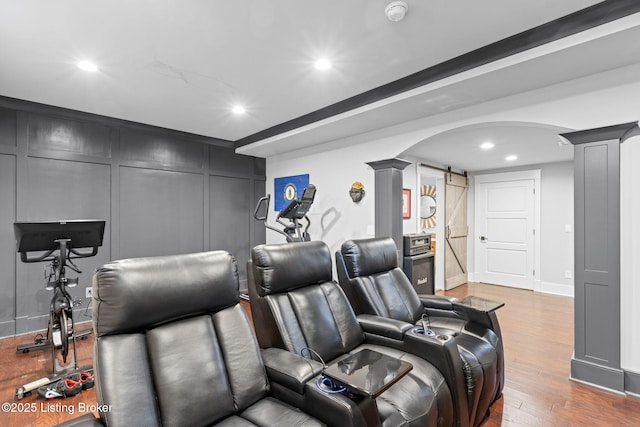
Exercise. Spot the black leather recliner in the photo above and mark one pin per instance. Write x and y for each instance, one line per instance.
(175, 348)
(368, 273)
(297, 306)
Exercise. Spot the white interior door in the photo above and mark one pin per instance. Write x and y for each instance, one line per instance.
(505, 233)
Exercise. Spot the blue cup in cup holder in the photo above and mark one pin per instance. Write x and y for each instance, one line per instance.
(423, 331)
(328, 385)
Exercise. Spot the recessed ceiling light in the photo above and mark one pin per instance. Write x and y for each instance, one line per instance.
(511, 157)
(322, 64)
(238, 109)
(87, 66)
(487, 145)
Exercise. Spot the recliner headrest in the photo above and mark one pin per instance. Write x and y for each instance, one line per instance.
(139, 293)
(369, 256)
(285, 267)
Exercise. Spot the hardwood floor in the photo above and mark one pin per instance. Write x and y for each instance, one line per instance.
(538, 339)
(19, 369)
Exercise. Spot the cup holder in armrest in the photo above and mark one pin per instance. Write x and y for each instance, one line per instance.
(329, 385)
(431, 333)
(422, 331)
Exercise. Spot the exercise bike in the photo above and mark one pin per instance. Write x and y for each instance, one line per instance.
(294, 212)
(58, 243)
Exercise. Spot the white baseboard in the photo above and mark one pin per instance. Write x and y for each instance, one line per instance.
(557, 289)
(538, 286)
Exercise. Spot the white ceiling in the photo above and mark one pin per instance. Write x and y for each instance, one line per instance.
(183, 64)
(531, 144)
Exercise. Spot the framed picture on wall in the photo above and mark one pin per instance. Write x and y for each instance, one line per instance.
(406, 203)
(288, 188)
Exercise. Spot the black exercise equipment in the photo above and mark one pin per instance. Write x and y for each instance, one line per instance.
(58, 242)
(295, 211)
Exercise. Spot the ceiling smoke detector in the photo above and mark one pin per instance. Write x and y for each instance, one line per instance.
(396, 10)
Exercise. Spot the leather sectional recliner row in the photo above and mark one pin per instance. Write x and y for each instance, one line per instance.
(175, 348)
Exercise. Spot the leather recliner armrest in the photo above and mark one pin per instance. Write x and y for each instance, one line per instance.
(444, 355)
(87, 420)
(289, 369)
(377, 325)
(439, 302)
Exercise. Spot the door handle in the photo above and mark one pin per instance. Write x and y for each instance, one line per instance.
(483, 239)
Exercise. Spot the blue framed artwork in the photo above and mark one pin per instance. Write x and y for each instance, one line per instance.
(288, 188)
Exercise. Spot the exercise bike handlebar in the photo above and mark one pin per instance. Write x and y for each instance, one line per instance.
(48, 255)
(24, 256)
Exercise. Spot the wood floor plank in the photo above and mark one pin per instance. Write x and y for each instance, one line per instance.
(538, 340)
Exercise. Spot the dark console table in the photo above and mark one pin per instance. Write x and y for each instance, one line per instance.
(368, 372)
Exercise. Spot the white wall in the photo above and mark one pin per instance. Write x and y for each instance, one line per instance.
(557, 234)
(335, 217)
(556, 213)
(630, 254)
(411, 180)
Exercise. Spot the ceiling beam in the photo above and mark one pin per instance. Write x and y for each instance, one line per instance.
(598, 14)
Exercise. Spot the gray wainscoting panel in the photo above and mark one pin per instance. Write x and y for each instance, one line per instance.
(598, 323)
(155, 188)
(230, 218)
(7, 127)
(596, 183)
(226, 160)
(161, 212)
(259, 166)
(597, 252)
(597, 256)
(632, 382)
(161, 149)
(7, 245)
(56, 134)
(57, 190)
(60, 189)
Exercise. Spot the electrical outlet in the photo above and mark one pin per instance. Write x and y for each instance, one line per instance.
(567, 274)
(87, 292)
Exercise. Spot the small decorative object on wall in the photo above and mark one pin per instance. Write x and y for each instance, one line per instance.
(357, 191)
(288, 188)
(427, 206)
(406, 203)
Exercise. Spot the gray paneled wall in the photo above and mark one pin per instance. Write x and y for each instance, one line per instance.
(596, 359)
(161, 212)
(7, 248)
(161, 192)
(597, 264)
